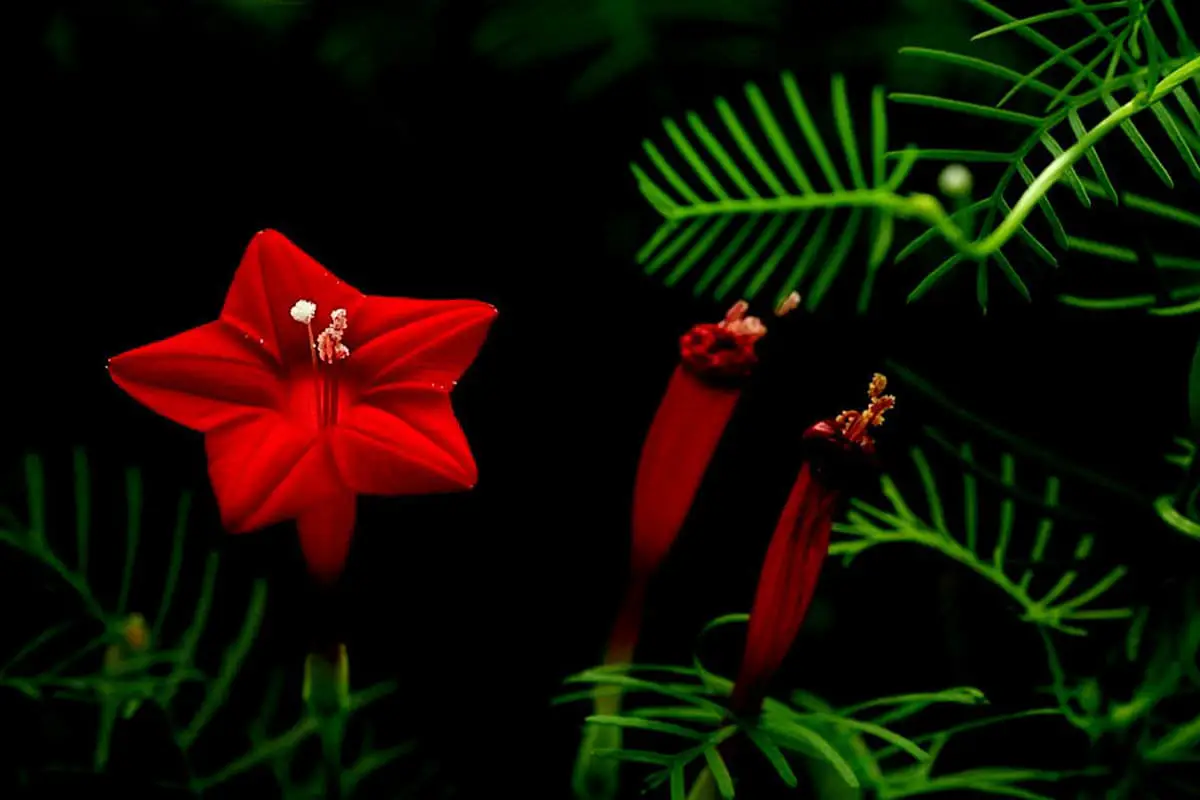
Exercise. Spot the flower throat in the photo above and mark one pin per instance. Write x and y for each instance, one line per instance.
(327, 351)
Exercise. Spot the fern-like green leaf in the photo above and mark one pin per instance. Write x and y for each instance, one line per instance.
(1102, 63)
(743, 211)
(1050, 604)
(130, 663)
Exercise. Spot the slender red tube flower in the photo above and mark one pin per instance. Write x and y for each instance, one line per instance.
(715, 359)
(801, 541)
(300, 418)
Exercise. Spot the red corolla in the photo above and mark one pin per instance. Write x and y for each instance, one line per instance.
(310, 393)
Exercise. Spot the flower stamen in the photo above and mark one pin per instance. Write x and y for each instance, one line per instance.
(325, 349)
(331, 350)
(737, 323)
(856, 424)
(787, 304)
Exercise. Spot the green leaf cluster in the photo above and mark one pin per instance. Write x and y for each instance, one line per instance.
(745, 206)
(856, 744)
(133, 666)
(1046, 598)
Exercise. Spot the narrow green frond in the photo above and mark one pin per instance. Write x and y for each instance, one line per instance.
(750, 257)
(721, 155)
(833, 261)
(689, 232)
(668, 172)
(1048, 16)
(1185, 42)
(958, 156)
(846, 133)
(784, 247)
(808, 256)
(899, 523)
(734, 125)
(720, 772)
(1093, 158)
(133, 527)
(1189, 108)
(1139, 142)
(695, 161)
(963, 107)
(698, 251)
(933, 277)
(932, 233)
(1035, 244)
(1173, 131)
(811, 134)
(736, 176)
(978, 64)
(662, 234)
(1047, 208)
(1055, 149)
(778, 141)
(1111, 51)
(1063, 55)
(1006, 269)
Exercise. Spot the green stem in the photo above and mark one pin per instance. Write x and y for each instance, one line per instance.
(71, 578)
(928, 209)
(331, 750)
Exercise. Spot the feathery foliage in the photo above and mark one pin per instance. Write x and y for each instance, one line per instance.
(1156, 716)
(748, 227)
(731, 221)
(856, 744)
(1181, 510)
(1103, 72)
(1046, 600)
(130, 664)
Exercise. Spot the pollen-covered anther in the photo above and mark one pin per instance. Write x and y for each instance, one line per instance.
(737, 323)
(329, 343)
(787, 304)
(304, 311)
(855, 424)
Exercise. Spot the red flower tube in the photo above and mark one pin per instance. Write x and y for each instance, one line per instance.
(715, 359)
(800, 543)
(300, 417)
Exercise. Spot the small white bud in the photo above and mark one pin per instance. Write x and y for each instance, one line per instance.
(956, 181)
(304, 311)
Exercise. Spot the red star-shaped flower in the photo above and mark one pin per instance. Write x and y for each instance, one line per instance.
(310, 393)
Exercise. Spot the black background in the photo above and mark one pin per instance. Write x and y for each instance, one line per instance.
(160, 137)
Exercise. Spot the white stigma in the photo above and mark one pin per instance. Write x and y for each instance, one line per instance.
(304, 311)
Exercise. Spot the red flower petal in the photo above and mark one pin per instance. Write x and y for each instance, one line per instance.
(273, 275)
(325, 533)
(689, 423)
(202, 378)
(395, 340)
(786, 585)
(265, 470)
(418, 448)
